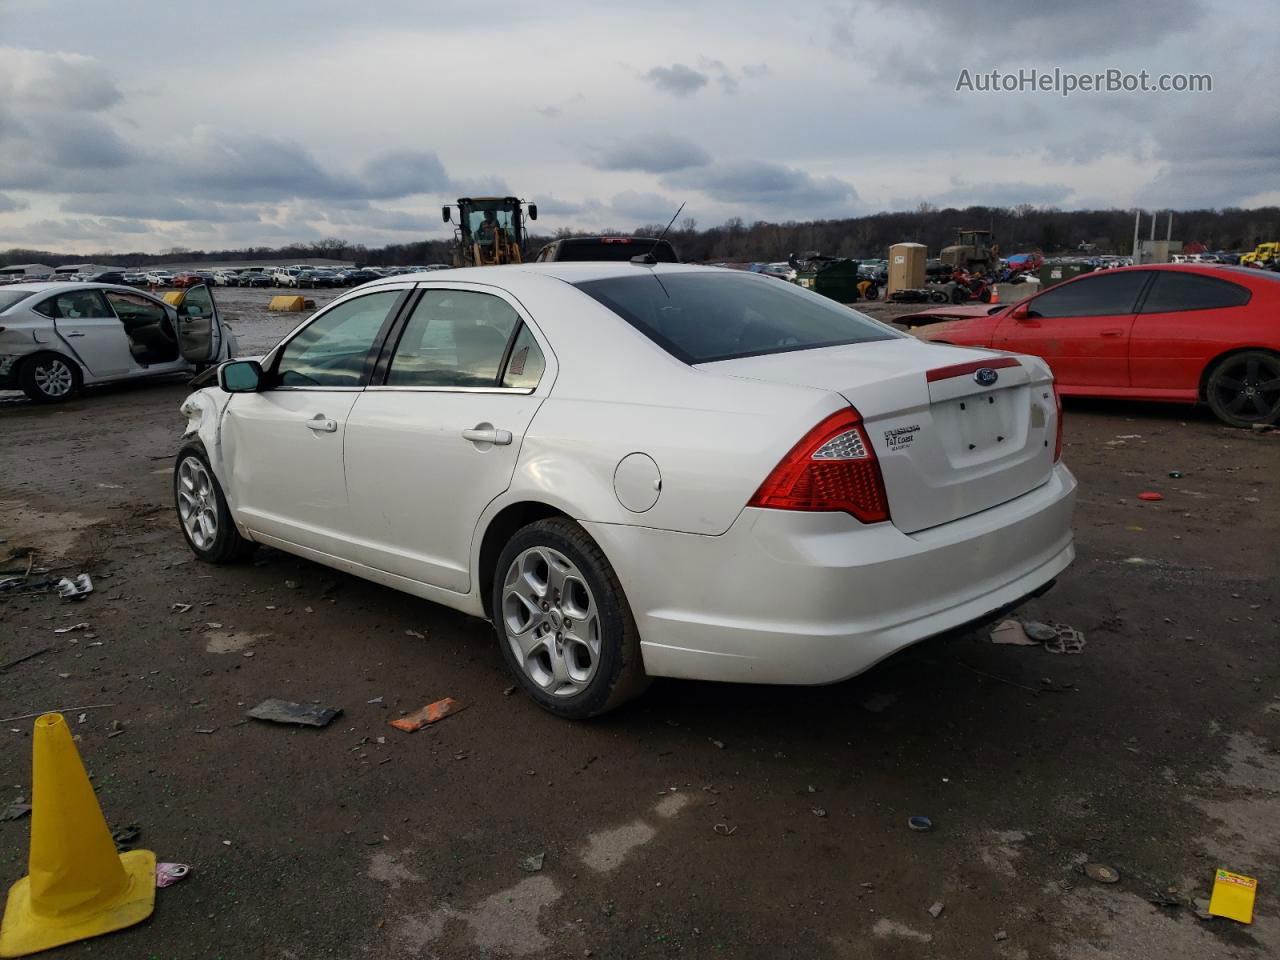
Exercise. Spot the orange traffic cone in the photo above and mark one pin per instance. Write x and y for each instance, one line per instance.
(77, 886)
(995, 293)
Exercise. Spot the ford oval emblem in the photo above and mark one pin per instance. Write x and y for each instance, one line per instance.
(985, 376)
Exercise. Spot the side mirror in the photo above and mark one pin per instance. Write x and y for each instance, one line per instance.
(444, 213)
(533, 211)
(240, 376)
(1021, 312)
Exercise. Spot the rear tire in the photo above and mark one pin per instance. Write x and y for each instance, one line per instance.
(1244, 388)
(563, 623)
(50, 378)
(203, 514)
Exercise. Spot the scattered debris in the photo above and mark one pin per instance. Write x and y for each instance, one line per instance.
(24, 658)
(286, 711)
(429, 714)
(1039, 632)
(1163, 899)
(73, 628)
(509, 691)
(75, 589)
(380, 701)
(877, 702)
(206, 730)
(15, 811)
(1101, 873)
(718, 744)
(32, 716)
(1068, 640)
(179, 607)
(415, 634)
(125, 837)
(117, 728)
(1012, 632)
(1128, 436)
(1000, 936)
(1232, 896)
(920, 823)
(1200, 907)
(819, 812)
(1150, 495)
(724, 829)
(167, 874)
(533, 864)
(936, 910)
(1176, 474)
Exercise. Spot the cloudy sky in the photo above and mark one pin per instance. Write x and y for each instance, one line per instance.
(146, 126)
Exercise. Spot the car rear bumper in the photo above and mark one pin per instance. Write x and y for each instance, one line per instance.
(811, 598)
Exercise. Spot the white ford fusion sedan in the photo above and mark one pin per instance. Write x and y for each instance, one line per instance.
(640, 470)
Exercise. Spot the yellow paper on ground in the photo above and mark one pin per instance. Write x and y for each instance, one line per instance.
(1233, 896)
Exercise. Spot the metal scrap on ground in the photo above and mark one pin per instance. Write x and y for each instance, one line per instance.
(286, 711)
(429, 714)
(75, 588)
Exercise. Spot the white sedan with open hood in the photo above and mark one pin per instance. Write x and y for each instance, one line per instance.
(640, 470)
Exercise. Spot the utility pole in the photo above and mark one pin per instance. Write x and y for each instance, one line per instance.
(1137, 225)
(1169, 233)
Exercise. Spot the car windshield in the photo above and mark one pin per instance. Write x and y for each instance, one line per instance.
(10, 297)
(704, 316)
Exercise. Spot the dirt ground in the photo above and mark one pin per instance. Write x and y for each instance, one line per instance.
(701, 821)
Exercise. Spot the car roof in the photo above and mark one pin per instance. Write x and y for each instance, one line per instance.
(570, 271)
(59, 286)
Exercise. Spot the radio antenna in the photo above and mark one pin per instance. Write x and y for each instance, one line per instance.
(648, 259)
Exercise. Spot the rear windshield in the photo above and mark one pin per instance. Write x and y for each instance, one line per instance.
(615, 249)
(701, 317)
(9, 297)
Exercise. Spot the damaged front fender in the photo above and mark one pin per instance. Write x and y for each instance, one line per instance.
(203, 410)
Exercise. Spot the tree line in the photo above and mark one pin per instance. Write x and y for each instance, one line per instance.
(1020, 229)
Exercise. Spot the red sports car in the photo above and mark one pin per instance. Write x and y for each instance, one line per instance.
(1180, 333)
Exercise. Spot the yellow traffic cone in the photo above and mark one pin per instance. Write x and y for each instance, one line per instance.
(77, 886)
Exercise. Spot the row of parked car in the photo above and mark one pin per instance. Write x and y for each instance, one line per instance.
(298, 275)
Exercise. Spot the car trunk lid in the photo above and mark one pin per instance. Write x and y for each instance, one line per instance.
(950, 441)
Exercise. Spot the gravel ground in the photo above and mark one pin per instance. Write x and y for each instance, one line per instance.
(701, 821)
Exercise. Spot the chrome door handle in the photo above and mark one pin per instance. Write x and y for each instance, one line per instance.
(320, 425)
(489, 435)
(73, 333)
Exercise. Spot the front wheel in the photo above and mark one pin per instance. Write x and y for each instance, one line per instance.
(563, 622)
(50, 378)
(1244, 389)
(202, 510)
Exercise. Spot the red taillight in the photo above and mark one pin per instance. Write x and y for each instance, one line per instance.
(1057, 444)
(832, 468)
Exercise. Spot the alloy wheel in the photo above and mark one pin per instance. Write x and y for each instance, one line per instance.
(53, 377)
(551, 621)
(197, 503)
(1250, 388)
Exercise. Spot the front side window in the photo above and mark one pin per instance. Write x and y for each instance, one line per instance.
(699, 317)
(134, 309)
(455, 338)
(1175, 291)
(333, 350)
(1107, 294)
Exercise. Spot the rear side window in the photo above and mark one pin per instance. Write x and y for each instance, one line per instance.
(525, 366)
(1175, 291)
(1096, 295)
(9, 298)
(333, 350)
(455, 338)
(704, 316)
(75, 305)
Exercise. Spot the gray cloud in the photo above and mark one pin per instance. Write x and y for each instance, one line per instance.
(772, 186)
(1000, 194)
(10, 204)
(643, 207)
(400, 173)
(652, 153)
(156, 207)
(55, 81)
(677, 80)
